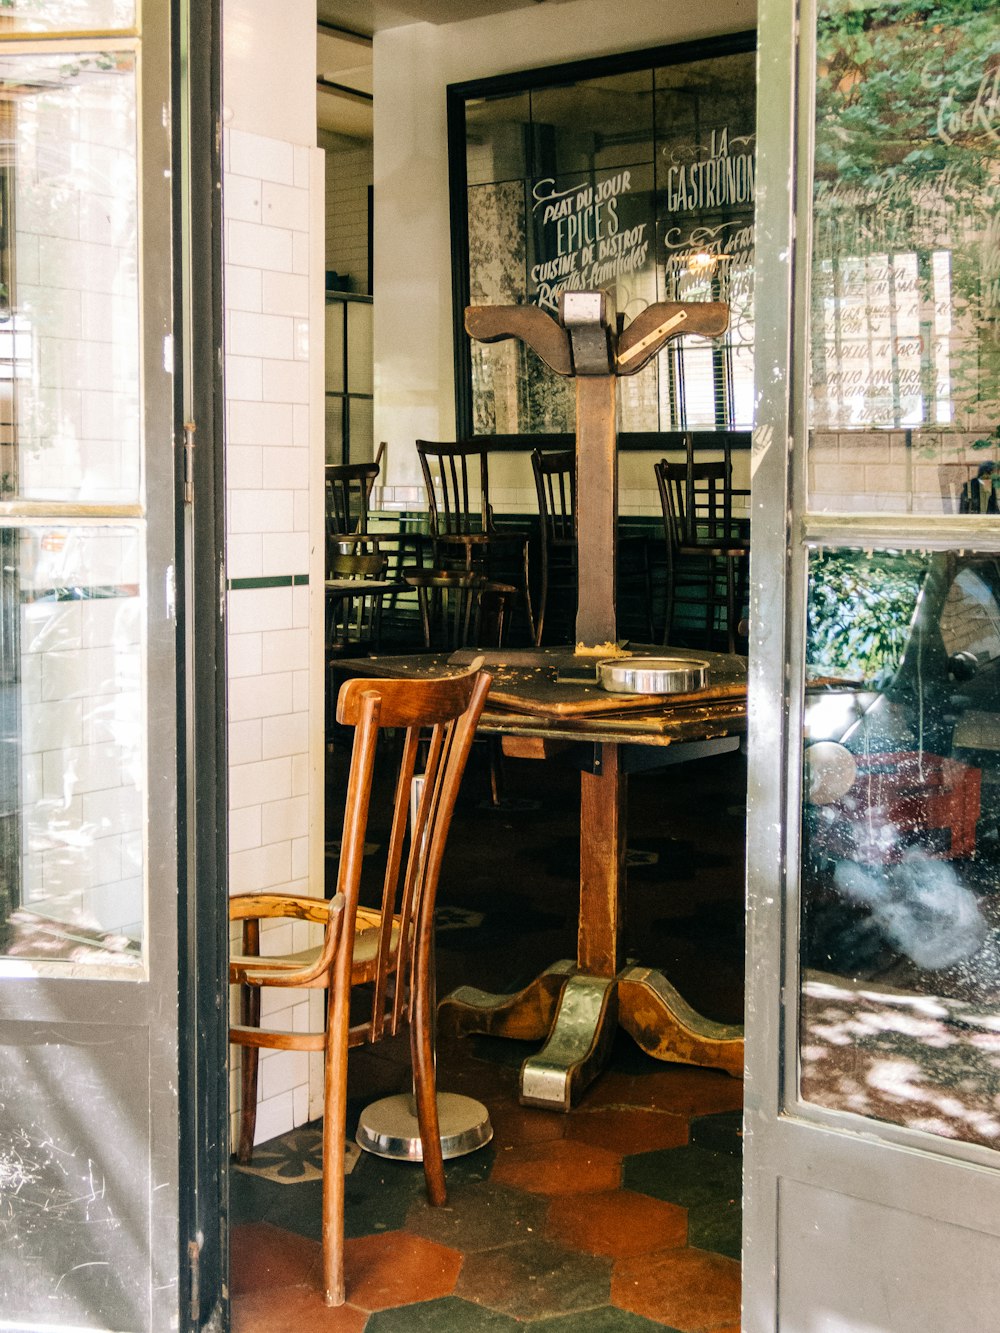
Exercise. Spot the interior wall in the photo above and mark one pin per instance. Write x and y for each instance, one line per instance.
(273, 254)
(414, 379)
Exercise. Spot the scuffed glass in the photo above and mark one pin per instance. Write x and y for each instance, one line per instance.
(26, 16)
(900, 925)
(71, 727)
(69, 322)
(905, 280)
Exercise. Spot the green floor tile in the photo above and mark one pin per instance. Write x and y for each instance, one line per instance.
(722, 1132)
(717, 1227)
(448, 1315)
(535, 1279)
(478, 1217)
(605, 1320)
(688, 1176)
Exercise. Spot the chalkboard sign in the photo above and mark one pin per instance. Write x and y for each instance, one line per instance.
(635, 175)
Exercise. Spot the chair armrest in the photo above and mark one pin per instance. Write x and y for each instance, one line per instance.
(262, 906)
(261, 971)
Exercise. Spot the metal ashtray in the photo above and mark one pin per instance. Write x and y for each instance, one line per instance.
(652, 675)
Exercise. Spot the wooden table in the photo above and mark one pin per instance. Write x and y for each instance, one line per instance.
(577, 1004)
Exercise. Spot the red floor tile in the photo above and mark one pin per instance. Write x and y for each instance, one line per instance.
(396, 1268)
(514, 1124)
(681, 1089)
(619, 1224)
(626, 1130)
(265, 1257)
(558, 1168)
(691, 1290)
(293, 1310)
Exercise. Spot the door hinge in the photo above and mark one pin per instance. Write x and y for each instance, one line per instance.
(189, 430)
(194, 1277)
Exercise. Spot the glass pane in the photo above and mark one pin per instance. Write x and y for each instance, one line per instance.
(900, 925)
(334, 347)
(69, 328)
(362, 421)
(66, 15)
(706, 185)
(495, 133)
(335, 430)
(905, 277)
(71, 719)
(360, 349)
(603, 122)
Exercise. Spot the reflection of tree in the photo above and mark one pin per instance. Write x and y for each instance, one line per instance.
(860, 613)
(906, 164)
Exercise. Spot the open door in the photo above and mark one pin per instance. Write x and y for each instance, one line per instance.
(110, 1160)
(873, 1012)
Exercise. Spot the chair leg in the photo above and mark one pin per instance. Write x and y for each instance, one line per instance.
(543, 597)
(250, 1055)
(422, 1059)
(334, 1141)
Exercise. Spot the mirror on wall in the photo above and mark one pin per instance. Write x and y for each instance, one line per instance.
(634, 174)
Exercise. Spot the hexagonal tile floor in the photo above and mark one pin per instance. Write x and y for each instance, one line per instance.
(621, 1216)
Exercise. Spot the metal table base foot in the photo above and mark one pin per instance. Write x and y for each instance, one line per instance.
(389, 1128)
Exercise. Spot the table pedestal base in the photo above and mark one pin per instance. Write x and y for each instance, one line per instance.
(578, 1013)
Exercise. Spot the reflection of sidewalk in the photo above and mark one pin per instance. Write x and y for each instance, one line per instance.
(42, 938)
(923, 1061)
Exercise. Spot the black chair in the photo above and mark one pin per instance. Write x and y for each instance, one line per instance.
(463, 533)
(705, 548)
(555, 487)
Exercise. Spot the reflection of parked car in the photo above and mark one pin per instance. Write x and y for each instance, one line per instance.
(922, 763)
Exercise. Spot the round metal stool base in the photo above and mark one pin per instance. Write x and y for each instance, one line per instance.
(388, 1128)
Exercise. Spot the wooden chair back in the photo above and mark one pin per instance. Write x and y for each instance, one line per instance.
(348, 490)
(555, 487)
(696, 499)
(388, 950)
(456, 478)
(354, 591)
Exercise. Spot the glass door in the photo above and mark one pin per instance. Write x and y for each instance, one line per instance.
(93, 826)
(873, 1092)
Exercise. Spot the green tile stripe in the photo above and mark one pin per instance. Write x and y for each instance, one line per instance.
(268, 581)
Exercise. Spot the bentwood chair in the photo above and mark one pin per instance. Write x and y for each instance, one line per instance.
(463, 533)
(555, 488)
(389, 950)
(704, 547)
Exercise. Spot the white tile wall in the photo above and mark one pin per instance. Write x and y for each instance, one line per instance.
(348, 176)
(273, 467)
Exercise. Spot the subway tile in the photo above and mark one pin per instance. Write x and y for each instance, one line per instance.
(285, 735)
(284, 1072)
(262, 609)
(244, 378)
(113, 811)
(285, 553)
(252, 334)
(244, 467)
(294, 465)
(51, 726)
(275, 1116)
(242, 287)
(284, 820)
(245, 741)
(244, 555)
(300, 691)
(285, 650)
(244, 829)
(115, 905)
(242, 198)
(263, 423)
(252, 784)
(301, 251)
(286, 381)
(284, 206)
(286, 294)
(301, 766)
(260, 696)
(301, 511)
(259, 868)
(260, 511)
(256, 155)
(300, 855)
(244, 655)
